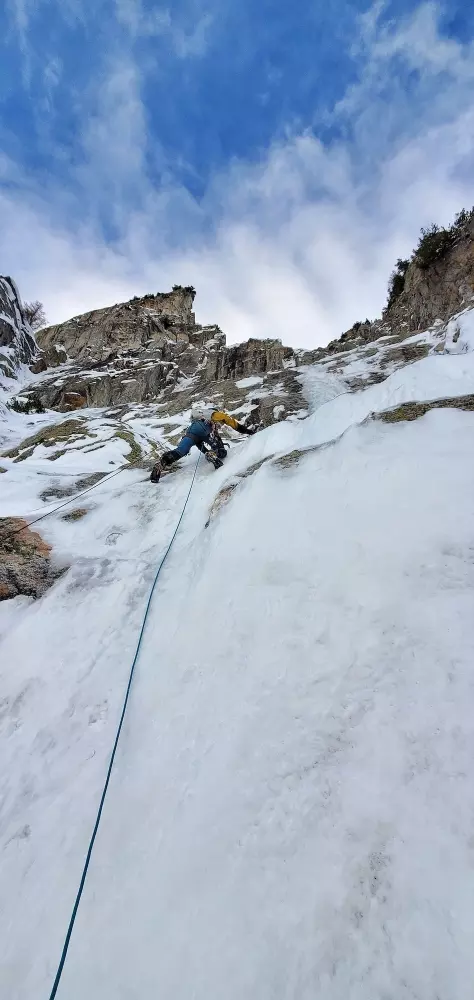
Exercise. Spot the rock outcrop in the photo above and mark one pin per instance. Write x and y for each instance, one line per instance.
(175, 376)
(101, 335)
(438, 291)
(17, 343)
(254, 357)
(51, 357)
(152, 350)
(430, 293)
(25, 565)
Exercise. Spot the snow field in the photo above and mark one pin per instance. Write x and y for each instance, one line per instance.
(292, 806)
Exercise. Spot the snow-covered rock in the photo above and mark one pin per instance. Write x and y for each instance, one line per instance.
(17, 342)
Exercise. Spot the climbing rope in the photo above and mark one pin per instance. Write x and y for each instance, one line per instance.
(112, 758)
(112, 474)
(99, 482)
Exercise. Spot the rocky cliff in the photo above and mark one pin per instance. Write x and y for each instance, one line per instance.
(434, 287)
(151, 349)
(128, 326)
(17, 343)
(437, 290)
(136, 369)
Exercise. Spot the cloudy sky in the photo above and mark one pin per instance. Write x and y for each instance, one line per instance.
(278, 156)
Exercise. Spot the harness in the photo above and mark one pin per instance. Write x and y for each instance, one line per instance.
(198, 439)
(212, 437)
(194, 438)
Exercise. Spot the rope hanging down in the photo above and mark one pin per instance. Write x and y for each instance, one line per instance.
(99, 482)
(114, 749)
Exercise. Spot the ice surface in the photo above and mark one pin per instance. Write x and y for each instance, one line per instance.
(246, 383)
(292, 806)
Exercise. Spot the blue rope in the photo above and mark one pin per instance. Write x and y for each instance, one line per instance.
(112, 758)
(99, 482)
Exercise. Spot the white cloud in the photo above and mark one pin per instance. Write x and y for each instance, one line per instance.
(189, 35)
(195, 41)
(113, 141)
(140, 22)
(298, 245)
(419, 42)
(20, 12)
(440, 68)
(21, 15)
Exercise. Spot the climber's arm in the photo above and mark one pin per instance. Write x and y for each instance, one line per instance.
(223, 418)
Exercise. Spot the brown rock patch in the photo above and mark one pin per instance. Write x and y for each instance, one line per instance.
(411, 411)
(75, 515)
(72, 401)
(25, 565)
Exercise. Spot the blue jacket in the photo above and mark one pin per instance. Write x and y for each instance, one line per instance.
(199, 430)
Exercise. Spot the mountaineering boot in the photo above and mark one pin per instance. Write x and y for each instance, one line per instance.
(164, 463)
(156, 472)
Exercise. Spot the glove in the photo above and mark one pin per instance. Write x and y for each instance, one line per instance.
(245, 430)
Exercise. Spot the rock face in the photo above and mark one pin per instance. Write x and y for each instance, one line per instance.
(252, 358)
(175, 374)
(49, 358)
(101, 335)
(17, 343)
(152, 349)
(430, 293)
(438, 291)
(25, 566)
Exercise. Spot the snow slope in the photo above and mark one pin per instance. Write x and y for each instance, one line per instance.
(291, 812)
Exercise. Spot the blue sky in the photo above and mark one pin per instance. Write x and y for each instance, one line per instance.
(278, 156)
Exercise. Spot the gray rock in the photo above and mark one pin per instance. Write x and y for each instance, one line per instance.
(438, 291)
(49, 358)
(151, 349)
(17, 343)
(100, 335)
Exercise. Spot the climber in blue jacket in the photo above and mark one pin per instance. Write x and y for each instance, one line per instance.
(202, 431)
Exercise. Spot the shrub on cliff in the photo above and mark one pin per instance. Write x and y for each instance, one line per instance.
(35, 314)
(436, 241)
(397, 281)
(184, 288)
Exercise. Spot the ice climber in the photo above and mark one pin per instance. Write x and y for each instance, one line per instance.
(201, 432)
